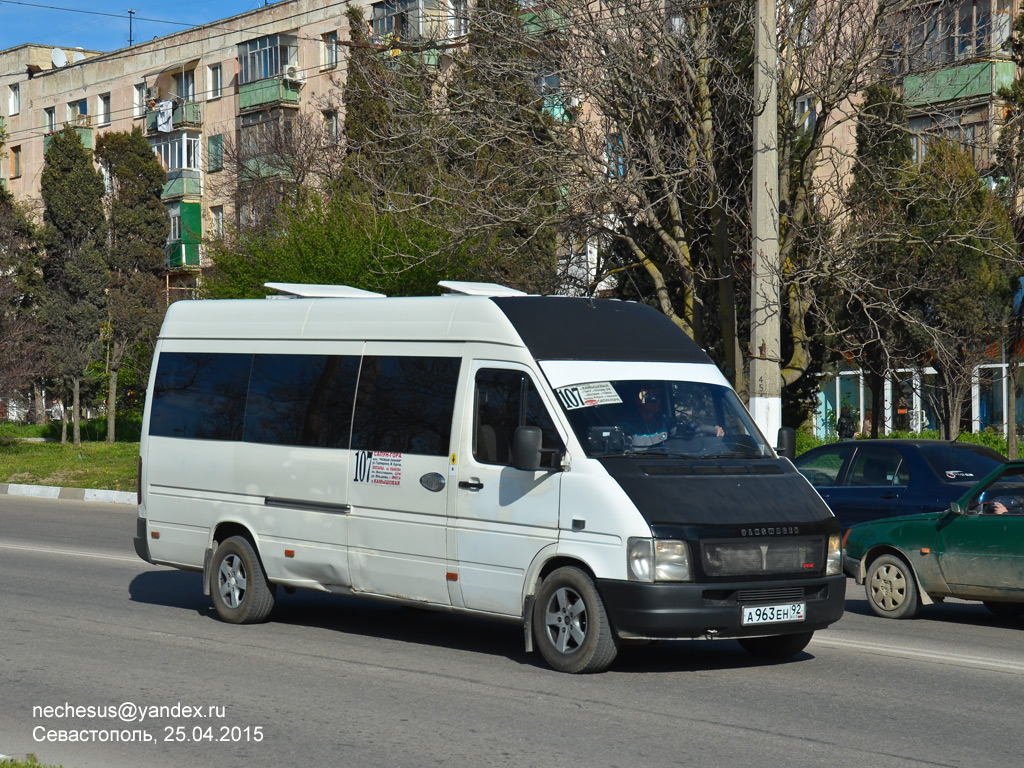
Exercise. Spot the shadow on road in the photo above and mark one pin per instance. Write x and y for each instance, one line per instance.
(968, 614)
(389, 622)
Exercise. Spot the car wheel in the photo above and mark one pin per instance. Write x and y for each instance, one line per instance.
(241, 592)
(571, 627)
(1004, 610)
(891, 590)
(777, 646)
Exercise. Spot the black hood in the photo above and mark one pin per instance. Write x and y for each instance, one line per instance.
(722, 493)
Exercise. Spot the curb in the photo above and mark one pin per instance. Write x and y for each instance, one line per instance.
(68, 494)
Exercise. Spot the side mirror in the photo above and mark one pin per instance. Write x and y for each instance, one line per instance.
(526, 449)
(955, 508)
(787, 443)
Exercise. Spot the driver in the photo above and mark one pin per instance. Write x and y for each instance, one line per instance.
(651, 425)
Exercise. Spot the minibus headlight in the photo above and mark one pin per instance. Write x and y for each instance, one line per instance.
(640, 560)
(834, 563)
(658, 560)
(671, 560)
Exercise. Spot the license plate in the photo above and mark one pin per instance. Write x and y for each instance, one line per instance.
(773, 614)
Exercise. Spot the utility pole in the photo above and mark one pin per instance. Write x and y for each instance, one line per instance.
(765, 308)
(131, 15)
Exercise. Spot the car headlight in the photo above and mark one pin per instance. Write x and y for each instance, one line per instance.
(658, 560)
(834, 561)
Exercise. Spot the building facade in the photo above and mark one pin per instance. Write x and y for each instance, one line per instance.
(194, 94)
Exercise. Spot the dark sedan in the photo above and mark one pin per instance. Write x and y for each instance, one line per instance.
(864, 480)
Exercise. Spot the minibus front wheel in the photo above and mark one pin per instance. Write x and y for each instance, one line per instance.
(570, 623)
(240, 590)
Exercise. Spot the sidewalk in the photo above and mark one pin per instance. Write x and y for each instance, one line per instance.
(68, 494)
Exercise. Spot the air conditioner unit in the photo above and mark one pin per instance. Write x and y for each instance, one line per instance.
(292, 73)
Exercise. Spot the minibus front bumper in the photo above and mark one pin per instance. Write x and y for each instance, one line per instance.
(673, 610)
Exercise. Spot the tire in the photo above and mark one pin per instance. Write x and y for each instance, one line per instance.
(570, 625)
(777, 646)
(240, 590)
(891, 588)
(1004, 610)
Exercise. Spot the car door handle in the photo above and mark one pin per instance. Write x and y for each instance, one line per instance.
(474, 485)
(890, 495)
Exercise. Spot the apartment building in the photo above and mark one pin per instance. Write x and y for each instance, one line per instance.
(192, 93)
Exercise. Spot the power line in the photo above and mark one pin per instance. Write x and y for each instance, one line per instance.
(95, 13)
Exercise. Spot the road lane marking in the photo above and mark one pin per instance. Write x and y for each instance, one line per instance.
(71, 552)
(935, 656)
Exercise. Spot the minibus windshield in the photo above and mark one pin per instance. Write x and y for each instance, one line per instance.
(682, 419)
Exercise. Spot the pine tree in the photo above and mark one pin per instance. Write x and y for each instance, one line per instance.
(137, 232)
(74, 272)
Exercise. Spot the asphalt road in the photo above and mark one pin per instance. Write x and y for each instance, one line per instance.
(334, 681)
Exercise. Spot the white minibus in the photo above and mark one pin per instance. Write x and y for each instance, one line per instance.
(576, 465)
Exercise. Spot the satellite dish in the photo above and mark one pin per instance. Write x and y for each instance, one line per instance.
(59, 58)
(77, 56)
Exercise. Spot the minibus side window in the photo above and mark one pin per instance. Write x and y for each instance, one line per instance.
(301, 400)
(405, 404)
(505, 400)
(200, 395)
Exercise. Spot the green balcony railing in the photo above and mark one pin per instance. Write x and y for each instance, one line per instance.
(267, 93)
(969, 80)
(186, 114)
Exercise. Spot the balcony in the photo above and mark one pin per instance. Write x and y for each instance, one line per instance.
(83, 129)
(186, 114)
(182, 182)
(270, 92)
(966, 81)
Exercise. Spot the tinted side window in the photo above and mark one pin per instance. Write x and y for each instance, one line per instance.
(405, 404)
(822, 469)
(200, 395)
(301, 400)
(874, 466)
(505, 400)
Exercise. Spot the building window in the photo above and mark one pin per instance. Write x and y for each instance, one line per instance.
(331, 123)
(805, 113)
(15, 162)
(330, 50)
(139, 100)
(78, 112)
(217, 220)
(215, 153)
(265, 57)
(50, 119)
(176, 152)
(14, 99)
(185, 85)
(174, 211)
(214, 82)
(460, 18)
(391, 20)
(103, 108)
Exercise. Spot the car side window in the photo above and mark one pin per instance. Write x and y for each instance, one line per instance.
(822, 469)
(505, 400)
(874, 467)
(903, 474)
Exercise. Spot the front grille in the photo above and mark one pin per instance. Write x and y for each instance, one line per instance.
(763, 557)
(770, 595)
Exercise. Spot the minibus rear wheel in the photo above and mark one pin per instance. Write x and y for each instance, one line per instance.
(241, 592)
(570, 624)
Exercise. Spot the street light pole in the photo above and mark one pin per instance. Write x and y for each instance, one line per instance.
(765, 348)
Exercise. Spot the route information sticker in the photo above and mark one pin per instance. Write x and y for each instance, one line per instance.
(588, 395)
(378, 468)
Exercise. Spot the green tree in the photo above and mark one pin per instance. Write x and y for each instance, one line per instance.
(74, 271)
(21, 359)
(136, 234)
(962, 244)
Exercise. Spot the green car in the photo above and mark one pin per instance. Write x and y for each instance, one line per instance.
(974, 551)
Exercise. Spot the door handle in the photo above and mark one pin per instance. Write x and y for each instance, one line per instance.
(474, 485)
